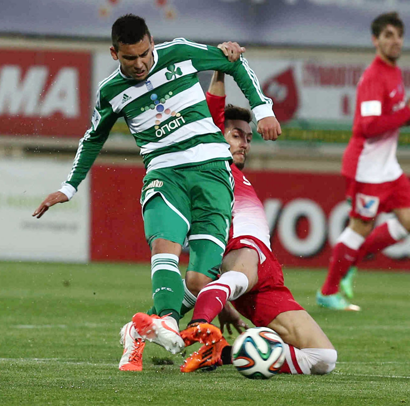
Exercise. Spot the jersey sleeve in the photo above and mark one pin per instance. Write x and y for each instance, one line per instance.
(90, 145)
(216, 106)
(374, 120)
(205, 57)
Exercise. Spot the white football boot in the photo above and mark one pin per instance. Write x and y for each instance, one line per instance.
(160, 330)
(133, 344)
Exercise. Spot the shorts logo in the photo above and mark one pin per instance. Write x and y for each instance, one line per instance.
(154, 183)
(367, 206)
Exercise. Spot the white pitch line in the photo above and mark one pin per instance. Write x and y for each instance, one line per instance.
(59, 360)
(370, 327)
(29, 326)
(374, 376)
(41, 326)
(373, 362)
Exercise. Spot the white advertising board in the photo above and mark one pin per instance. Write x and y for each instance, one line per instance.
(62, 234)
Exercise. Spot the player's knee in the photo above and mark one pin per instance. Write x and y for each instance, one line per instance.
(361, 227)
(322, 360)
(195, 282)
(399, 229)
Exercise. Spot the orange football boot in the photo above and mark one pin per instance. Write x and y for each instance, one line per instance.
(207, 357)
(205, 333)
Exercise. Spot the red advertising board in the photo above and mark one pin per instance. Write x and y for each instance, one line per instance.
(44, 92)
(306, 213)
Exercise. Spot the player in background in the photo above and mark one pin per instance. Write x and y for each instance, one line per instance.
(375, 181)
(188, 188)
(252, 278)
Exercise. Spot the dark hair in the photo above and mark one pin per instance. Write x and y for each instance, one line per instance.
(237, 113)
(383, 20)
(128, 29)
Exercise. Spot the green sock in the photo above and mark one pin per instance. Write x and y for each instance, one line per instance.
(167, 287)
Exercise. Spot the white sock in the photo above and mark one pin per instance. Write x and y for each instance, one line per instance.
(396, 230)
(307, 361)
(189, 298)
(237, 282)
(351, 239)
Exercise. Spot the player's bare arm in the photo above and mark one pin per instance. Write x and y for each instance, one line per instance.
(217, 85)
(50, 200)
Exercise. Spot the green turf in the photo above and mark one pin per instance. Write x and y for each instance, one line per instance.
(59, 328)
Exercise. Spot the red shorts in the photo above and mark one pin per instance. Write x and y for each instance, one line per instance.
(269, 297)
(370, 199)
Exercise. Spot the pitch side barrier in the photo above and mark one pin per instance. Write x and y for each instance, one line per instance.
(306, 212)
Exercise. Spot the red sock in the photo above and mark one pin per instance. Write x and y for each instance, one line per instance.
(342, 258)
(211, 300)
(379, 239)
(291, 360)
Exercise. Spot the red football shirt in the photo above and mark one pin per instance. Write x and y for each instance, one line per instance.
(248, 214)
(370, 156)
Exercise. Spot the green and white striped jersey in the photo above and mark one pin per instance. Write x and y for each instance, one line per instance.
(167, 112)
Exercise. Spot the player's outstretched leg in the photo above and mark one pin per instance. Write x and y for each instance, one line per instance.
(160, 330)
(207, 357)
(133, 344)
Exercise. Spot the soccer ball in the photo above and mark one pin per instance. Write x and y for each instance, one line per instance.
(258, 353)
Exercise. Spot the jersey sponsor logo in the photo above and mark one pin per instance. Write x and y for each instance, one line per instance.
(154, 183)
(173, 72)
(367, 206)
(158, 103)
(371, 108)
(171, 126)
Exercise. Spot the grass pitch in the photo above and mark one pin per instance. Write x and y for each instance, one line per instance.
(59, 328)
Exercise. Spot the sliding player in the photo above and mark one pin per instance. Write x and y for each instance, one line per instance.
(252, 278)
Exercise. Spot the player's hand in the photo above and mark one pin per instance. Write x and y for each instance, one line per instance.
(269, 128)
(50, 200)
(229, 317)
(232, 50)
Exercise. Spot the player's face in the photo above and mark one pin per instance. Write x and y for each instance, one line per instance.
(136, 59)
(238, 134)
(389, 43)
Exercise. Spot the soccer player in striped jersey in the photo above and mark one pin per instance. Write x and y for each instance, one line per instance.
(252, 278)
(375, 182)
(188, 187)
